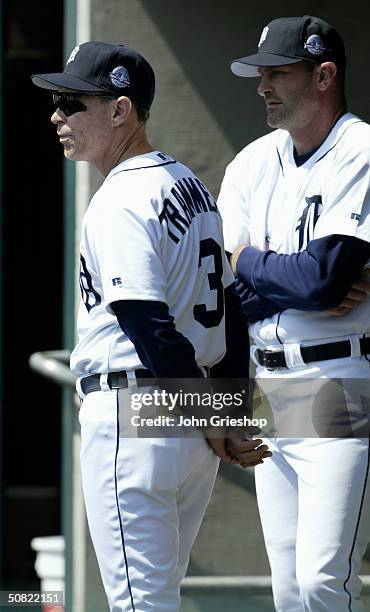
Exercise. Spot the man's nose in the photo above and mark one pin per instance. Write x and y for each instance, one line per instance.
(57, 117)
(264, 86)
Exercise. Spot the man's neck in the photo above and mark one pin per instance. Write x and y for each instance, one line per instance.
(313, 135)
(135, 144)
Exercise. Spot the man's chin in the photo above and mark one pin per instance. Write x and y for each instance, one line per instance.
(274, 120)
(271, 118)
(70, 153)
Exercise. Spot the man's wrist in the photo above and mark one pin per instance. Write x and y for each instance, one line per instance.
(235, 256)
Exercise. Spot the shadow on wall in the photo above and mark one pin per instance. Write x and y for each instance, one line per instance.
(206, 35)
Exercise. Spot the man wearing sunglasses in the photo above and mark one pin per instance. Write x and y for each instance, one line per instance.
(156, 291)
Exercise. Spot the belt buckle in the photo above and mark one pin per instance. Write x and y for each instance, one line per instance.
(270, 361)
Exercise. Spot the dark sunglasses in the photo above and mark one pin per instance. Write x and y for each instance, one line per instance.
(72, 103)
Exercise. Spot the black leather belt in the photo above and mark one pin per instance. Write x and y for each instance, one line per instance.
(116, 380)
(275, 358)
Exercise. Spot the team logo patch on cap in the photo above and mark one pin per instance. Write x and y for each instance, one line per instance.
(315, 45)
(120, 77)
(73, 55)
(263, 35)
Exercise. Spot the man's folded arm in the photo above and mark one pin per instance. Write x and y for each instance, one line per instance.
(318, 278)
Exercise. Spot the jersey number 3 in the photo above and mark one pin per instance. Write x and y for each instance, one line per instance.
(211, 318)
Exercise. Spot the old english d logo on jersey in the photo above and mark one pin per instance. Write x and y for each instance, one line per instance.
(308, 220)
(89, 295)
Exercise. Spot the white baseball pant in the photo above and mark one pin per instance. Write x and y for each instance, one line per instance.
(145, 499)
(314, 493)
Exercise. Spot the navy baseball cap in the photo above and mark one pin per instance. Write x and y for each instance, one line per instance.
(289, 40)
(103, 68)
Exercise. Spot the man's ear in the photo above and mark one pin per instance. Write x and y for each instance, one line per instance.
(121, 110)
(325, 75)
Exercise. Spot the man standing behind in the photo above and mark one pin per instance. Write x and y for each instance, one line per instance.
(157, 294)
(296, 211)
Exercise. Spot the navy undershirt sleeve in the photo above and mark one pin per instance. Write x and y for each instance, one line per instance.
(160, 347)
(167, 353)
(170, 355)
(255, 306)
(235, 363)
(318, 278)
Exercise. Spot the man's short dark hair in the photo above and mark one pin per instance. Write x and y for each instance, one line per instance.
(142, 113)
(341, 69)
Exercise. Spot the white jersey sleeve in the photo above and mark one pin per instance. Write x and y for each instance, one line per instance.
(233, 206)
(347, 190)
(130, 257)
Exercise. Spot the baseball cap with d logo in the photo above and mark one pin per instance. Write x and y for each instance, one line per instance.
(289, 40)
(103, 68)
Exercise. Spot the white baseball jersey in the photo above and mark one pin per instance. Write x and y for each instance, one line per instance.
(151, 232)
(267, 201)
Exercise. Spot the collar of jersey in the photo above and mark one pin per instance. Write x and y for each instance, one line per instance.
(330, 141)
(146, 160)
